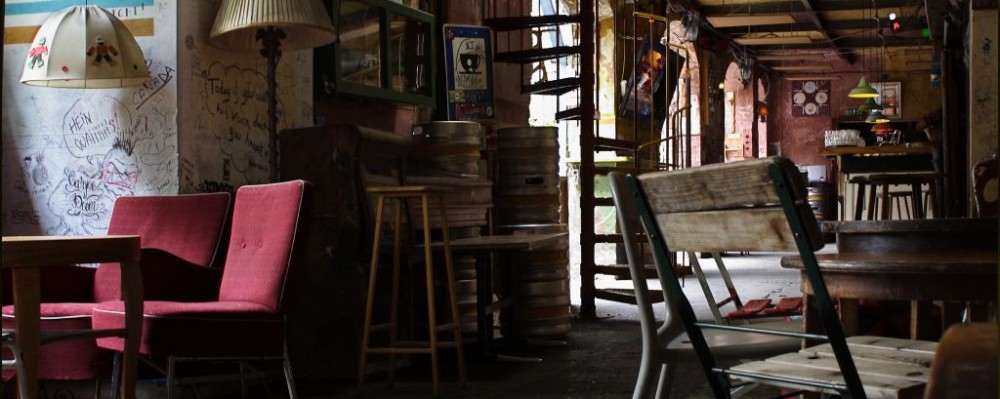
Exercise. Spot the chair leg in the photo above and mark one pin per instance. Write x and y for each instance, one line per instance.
(116, 376)
(170, 377)
(666, 381)
(642, 383)
(243, 380)
(373, 270)
(289, 378)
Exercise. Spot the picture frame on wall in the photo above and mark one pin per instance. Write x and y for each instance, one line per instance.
(890, 97)
(810, 98)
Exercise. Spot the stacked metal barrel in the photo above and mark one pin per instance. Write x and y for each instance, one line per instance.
(527, 202)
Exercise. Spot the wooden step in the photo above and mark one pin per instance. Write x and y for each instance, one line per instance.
(535, 55)
(552, 87)
(610, 144)
(573, 114)
(621, 270)
(626, 295)
(526, 22)
(604, 170)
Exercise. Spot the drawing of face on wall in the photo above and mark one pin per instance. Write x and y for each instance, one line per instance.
(119, 171)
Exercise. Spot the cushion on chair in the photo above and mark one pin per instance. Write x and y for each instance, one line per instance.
(198, 329)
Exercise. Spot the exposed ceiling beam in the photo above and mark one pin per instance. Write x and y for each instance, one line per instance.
(908, 24)
(774, 40)
(802, 68)
(792, 57)
(855, 43)
(816, 20)
(723, 21)
(797, 6)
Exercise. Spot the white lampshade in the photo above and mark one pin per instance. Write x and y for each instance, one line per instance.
(84, 47)
(305, 22)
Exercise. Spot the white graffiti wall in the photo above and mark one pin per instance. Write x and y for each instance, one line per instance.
(198, 124)
(69, 153)
(222, 97)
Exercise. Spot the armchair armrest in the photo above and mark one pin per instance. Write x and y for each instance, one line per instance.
(58, 284)
(165, 277)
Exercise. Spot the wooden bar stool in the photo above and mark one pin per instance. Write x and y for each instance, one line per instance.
(400, 194)
(915, 196)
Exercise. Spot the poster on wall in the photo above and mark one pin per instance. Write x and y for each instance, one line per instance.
(811, 98)
(468, 60)
(890, 98)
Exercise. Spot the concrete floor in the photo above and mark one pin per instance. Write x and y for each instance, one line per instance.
(598, 359)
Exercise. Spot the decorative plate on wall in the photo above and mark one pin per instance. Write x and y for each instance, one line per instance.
(811, 98)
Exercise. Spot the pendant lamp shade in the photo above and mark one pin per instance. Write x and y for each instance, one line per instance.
(306, 24)
(863, 90)
(876, 117)
(882, 129)
(868, 105)
(84, 47)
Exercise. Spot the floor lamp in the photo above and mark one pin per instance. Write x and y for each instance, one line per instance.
(240, 24)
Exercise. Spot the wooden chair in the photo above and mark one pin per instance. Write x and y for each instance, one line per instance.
(666, 345)
(761, 205)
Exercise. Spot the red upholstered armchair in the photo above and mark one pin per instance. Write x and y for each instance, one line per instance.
(247, 320)
(180, 236)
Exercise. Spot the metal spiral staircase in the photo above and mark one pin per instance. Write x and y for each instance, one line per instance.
(519, 26)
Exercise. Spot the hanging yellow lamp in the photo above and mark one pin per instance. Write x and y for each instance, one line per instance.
(868, 105)
(863, 90)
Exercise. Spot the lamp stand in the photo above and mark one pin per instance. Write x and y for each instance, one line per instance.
(271, 38)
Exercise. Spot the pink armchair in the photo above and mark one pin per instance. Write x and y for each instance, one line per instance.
(246, 321)
(181, 235)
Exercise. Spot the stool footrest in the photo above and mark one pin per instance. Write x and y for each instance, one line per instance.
(382, 327)
(446, 327)
(396, 350)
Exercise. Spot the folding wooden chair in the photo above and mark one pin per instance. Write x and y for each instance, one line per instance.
(761, 205)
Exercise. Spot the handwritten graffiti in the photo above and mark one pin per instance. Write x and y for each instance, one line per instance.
(24, 217)
(90, 127)
(35, 175)
(149, 89)
(237, 101)
(215, 186)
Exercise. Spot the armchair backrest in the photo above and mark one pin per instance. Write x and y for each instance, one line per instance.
(187, 226)
(261, 242)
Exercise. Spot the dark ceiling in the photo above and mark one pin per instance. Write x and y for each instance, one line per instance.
(778, 31)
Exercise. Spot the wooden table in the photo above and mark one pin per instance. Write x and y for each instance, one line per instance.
(876, 159)
(26, 255)
(919, 277)
(483, 247)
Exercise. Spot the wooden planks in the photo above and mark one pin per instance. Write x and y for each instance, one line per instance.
(757, 229)
(888, 367)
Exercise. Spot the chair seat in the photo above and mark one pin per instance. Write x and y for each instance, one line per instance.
(731, 345)
(197, 329)
(888, 367)
(89, 362)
